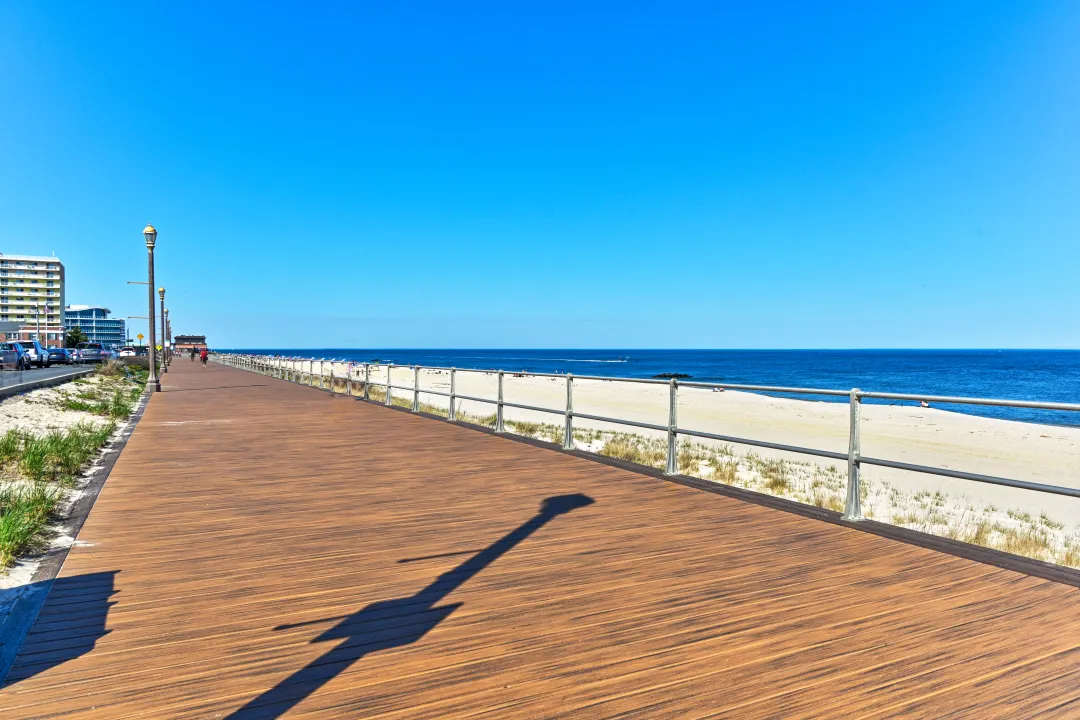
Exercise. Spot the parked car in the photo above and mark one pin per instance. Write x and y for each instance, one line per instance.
(11, 356)
(90, 352)
(38, 354)
(61, 355)
(14, 356)
(127, 351)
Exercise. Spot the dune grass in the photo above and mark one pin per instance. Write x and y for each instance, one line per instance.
(24, 513)
(113, 395)
(34, 472)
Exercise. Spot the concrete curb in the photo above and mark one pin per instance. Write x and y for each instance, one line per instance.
(8, 391)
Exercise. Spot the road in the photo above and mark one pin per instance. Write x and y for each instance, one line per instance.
(12, 377)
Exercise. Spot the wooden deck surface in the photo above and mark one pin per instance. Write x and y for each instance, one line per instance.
(266, 550)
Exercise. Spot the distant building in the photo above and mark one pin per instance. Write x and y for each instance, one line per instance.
(96, 324)
(184, 343)
(32, 295)
(9, 330)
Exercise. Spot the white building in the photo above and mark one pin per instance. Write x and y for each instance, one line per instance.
(32, 294)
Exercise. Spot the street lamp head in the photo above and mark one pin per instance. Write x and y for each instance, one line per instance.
(161, 293)
(151, 235)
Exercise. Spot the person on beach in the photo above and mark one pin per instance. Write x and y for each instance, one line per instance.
(203, 354)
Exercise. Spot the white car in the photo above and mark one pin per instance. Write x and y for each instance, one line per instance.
(127, 352)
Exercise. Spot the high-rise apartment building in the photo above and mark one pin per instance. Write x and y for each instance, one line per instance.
(96, 324)
(32, 294)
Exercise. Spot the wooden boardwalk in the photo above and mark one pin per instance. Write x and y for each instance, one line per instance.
(266, 550)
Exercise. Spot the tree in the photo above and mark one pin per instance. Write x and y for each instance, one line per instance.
(74, 336)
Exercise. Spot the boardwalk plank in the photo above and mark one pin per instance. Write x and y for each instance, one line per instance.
(243, 504)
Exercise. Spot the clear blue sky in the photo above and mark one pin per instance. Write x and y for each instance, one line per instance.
(542, 174)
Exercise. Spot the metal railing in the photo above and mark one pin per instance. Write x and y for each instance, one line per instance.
(292, 369)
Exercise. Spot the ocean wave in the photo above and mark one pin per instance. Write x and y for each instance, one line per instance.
(545, 359)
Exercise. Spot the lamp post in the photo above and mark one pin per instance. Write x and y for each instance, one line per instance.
(164, 355)
(151, 239)
(168, 337)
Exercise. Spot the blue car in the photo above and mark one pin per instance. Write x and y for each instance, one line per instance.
(13, 356)
(62, 356)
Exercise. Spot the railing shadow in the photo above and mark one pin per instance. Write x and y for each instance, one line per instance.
(69, 625)
(391, 623)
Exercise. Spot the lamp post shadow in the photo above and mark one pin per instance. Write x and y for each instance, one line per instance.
(391, 623)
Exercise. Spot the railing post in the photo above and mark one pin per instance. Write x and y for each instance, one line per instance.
(672, 439)
(389, 367)
(311, 373)
(568, 429)
(853, 502)
(452, 417)
(349, 380)
(416, 388)
(331, 376)
(367, 380)
(499, 427)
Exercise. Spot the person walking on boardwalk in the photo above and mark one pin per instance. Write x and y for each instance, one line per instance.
(203, 354)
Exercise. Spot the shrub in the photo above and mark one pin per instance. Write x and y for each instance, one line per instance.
(111, 368)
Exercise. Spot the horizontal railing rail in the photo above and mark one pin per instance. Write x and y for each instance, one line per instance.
(293, 369)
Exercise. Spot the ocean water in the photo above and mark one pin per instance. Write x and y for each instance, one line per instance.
(1045, 375)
